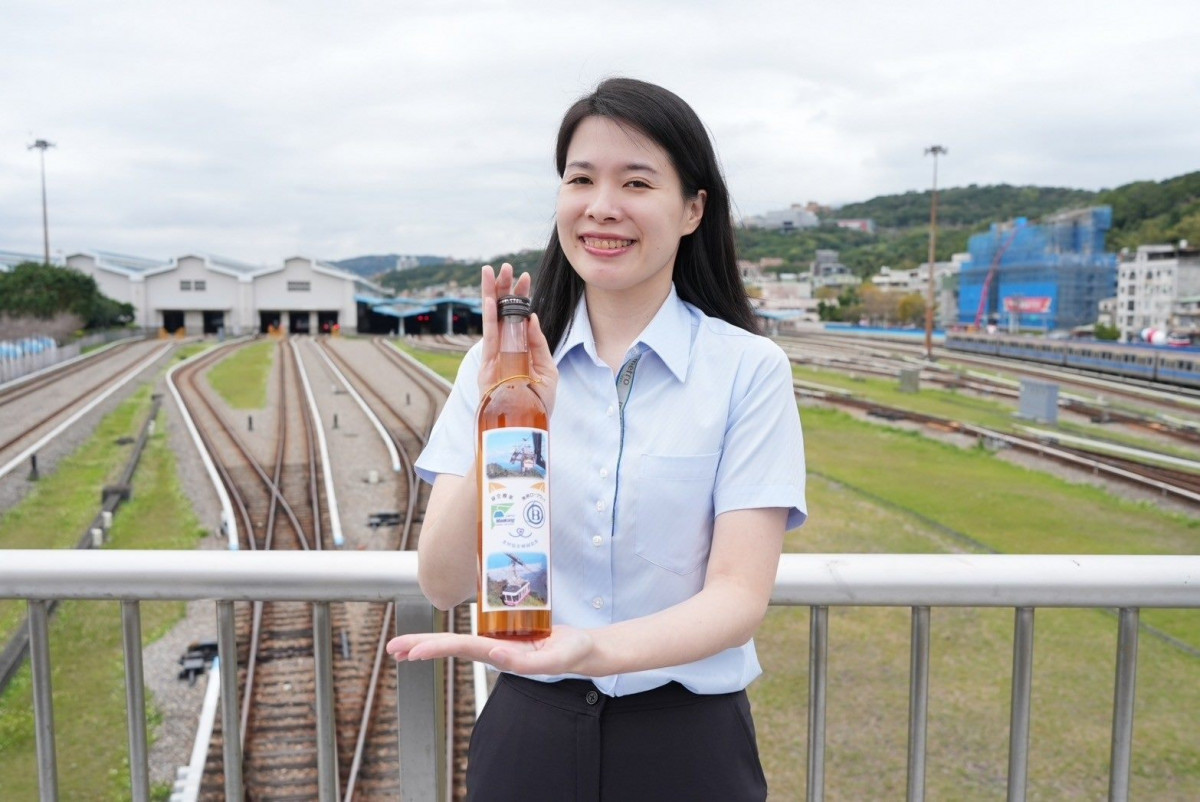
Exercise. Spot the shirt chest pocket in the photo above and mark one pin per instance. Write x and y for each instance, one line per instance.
(674, 510)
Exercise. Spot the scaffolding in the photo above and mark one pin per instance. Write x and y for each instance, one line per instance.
(1044, 276)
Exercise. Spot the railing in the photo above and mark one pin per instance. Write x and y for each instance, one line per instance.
(818, 581)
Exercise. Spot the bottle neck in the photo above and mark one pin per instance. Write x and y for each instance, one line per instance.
(514, 348)
(512, 335)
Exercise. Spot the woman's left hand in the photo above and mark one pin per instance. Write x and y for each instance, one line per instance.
(564, 652)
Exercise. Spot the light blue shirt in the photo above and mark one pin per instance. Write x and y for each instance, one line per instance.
(710, 425)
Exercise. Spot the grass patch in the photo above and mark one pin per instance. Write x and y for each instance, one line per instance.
(241, 378)
(994, 413)
(871, 492)
(440, 362)
(85, 638)
(62, 504)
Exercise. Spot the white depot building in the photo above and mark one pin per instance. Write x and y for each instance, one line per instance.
(210, 294)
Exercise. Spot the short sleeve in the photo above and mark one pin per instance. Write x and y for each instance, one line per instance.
(451, 446)
(762, 459)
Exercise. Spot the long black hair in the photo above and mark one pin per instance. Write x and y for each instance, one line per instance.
(706, 273)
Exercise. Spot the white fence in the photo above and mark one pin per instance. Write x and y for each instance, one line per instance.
(30, 354)
(919, 582)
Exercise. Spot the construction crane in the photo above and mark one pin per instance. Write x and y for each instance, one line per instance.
(987, 281)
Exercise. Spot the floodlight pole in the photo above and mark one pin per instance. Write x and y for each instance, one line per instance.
(936, 150)
(42, 145)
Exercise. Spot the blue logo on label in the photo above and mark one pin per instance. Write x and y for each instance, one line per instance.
(535, 514)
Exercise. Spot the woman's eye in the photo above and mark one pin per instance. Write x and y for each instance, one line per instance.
(638, 183)
(579, 179)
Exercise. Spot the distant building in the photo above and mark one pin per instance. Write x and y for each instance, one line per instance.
(1045, 276)
(796, 217)
(206, 294)
(1107, 312)
(864, 225)
(827, 271)
(890, 279)
(1185, 317)
(1152, 284)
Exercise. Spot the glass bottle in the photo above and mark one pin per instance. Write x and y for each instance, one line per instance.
(514, 491)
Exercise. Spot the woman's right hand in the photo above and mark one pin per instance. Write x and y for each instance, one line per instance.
(545, 371)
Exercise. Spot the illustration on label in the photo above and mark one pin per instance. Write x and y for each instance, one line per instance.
(516, 520)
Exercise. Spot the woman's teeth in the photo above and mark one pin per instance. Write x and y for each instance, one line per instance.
(607, 244)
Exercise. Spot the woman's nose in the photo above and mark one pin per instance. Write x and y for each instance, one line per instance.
(604, 204)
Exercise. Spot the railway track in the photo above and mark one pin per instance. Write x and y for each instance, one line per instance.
(409, 424)
(886, 360)
(19, 388)
(53, 410)
(1179, 484)
(279, 505)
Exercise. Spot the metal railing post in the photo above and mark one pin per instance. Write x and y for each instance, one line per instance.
(43, 700)
(1123, 700)
(818, 669)
(135, 701)
(918, 703)
(1022, 687)
(327, 765)
(231, 739)
(419, 696)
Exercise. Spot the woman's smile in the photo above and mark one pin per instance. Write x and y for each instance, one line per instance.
(606, 246)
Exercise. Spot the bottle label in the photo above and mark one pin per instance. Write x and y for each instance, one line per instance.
(516, 519)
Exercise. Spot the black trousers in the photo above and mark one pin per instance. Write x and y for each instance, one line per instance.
(567, 742)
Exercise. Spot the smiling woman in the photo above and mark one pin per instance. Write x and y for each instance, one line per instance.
(678, 463)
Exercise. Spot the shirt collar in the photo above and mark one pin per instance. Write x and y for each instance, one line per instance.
(669, 335)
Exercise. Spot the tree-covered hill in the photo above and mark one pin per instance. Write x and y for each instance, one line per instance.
(1144, 212)
(1149, 212)
(371, 266)
(461, 273)
(968, 206)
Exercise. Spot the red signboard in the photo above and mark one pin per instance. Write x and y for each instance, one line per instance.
(1027, 306)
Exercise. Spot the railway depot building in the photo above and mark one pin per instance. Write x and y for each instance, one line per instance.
(205, 294)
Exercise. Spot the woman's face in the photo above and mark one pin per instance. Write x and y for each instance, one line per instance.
(621, 210)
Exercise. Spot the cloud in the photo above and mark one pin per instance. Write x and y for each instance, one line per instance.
(263, 129)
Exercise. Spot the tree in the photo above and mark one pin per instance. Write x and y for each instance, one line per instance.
(42, 291)
(911, 309)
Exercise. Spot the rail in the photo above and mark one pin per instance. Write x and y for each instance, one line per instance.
(817, 581)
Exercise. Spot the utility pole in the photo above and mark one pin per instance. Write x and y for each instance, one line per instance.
(936, 150)
(43, 145)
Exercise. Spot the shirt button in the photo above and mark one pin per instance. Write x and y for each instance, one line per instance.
(599, 506)
(597, 602)
(609, 412)
(597, 540)
(592, 697)
(604, 473)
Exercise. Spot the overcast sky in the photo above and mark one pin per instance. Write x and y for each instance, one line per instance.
(260, 131)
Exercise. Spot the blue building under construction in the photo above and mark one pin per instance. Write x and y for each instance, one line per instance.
(1046, 276)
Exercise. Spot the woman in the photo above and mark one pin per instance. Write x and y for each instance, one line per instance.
(677, 463)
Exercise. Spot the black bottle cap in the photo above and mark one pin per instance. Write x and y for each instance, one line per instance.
(508, 305)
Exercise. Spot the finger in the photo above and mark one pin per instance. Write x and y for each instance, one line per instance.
(487, 293)
(504, 280)
(542, 362)
(522, 286)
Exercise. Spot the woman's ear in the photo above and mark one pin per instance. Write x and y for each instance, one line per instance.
(694, 212)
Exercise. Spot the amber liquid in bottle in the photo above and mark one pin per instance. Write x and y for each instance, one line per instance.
(514, 520)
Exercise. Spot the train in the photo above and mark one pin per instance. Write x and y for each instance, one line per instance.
(1158, 364)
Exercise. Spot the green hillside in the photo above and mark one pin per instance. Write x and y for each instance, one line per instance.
(1144, 212)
